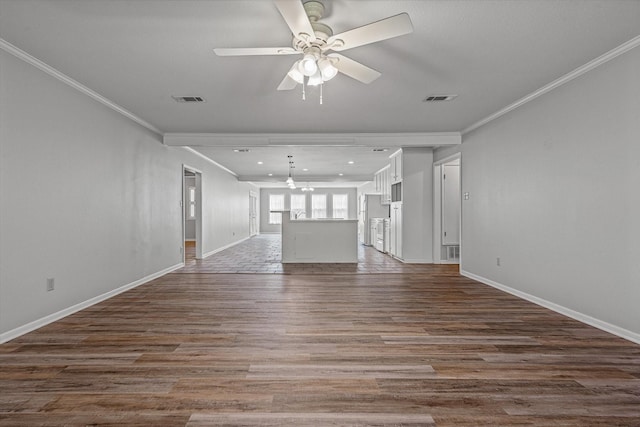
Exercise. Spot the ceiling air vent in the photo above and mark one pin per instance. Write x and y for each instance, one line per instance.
(438, 98)
(380, 149)
(188, 98)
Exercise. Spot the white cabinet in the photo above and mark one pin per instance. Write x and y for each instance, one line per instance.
(383, 185)
(386, 186)
(395, 169)
(395, 234)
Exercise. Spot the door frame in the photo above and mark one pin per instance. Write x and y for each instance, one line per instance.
(253, 219)
(437, 208)
(198, 174)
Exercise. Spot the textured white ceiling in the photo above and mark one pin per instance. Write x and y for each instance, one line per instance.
(138, 53)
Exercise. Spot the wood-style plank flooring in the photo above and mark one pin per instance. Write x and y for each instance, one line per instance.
(425, 348)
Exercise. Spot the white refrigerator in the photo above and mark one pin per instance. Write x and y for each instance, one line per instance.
(369, 206)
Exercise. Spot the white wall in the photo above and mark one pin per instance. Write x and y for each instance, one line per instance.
(367, 188)
(417, 205)
(120, 219)
(554, 193)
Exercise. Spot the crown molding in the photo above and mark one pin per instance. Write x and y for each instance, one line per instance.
(24, 56)
(623, 48)
(208, 159)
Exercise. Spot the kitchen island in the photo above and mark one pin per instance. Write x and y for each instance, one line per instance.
(319, 240)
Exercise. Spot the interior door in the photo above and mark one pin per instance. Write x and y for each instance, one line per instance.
(451, 204)
(253, 216)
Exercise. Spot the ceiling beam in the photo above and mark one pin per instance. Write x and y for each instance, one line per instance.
(409, 139)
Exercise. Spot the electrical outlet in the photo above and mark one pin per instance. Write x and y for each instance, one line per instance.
(50, 284)
(498, 261)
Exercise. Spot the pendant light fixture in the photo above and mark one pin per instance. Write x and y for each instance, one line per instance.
(290, 182)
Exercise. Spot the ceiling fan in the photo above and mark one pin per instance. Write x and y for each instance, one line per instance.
(318, 45)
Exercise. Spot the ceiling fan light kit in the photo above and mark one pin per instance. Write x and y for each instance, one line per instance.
(327, 68)
(315, 40)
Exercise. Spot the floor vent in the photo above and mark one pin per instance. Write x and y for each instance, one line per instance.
(437, 98)
(453, 253)
(188, 98)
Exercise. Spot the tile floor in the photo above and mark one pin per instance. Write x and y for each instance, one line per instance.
(261, 254)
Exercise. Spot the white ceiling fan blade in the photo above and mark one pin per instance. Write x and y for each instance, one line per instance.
(242, 51)
(387, 28)
(295, 16)
(287, 83)
(354, 69)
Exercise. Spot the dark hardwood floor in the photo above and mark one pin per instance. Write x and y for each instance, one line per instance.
(421, 348)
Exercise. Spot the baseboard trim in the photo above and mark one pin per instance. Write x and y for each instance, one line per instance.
(215, 251)
(32, 326)
(581, 317)
(416, 261)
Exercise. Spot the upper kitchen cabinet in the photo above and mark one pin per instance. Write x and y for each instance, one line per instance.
(395, 170)
(383, 184)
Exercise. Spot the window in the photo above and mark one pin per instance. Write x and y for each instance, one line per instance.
(341, 206)
(276, 203)
(298, 206)
(318, 206)
(192, 203)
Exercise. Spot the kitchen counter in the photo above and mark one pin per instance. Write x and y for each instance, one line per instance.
(327, 240)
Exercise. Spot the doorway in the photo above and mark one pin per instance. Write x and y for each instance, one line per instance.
(253, 214)
(191, 213)
(447, 213)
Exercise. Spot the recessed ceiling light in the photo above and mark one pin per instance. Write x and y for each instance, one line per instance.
(270, 174)
(259, 163)
(341, 174)
(351, 162)
(305, 170)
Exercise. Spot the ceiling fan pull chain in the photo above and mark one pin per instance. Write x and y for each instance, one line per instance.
(304, 95)
(321, 93)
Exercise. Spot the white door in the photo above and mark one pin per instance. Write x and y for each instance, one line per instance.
(192, 208)
(451, 204)
(396, 230)
(253, 216)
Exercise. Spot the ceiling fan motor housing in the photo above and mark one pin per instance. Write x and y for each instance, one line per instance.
(322, 31)
(314, 10)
